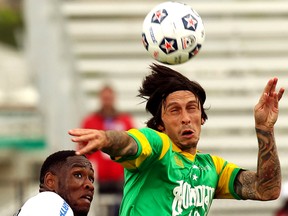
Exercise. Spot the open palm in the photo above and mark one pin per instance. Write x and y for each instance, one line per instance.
(266, 110)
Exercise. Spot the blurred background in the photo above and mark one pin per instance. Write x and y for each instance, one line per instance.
(55, 55)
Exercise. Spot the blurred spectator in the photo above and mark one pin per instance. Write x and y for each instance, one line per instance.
(283, 210)
(110, 175)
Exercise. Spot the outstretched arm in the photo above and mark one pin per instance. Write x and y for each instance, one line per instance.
(265, 184)
(114, 143)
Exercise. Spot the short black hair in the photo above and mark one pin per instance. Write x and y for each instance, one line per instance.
(54, 161)
(159, 84)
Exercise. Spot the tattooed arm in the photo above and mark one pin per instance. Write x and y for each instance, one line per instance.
(265, 183)
(114, 143)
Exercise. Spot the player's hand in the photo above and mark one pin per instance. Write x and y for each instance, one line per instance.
(89, 140)
(266, 110)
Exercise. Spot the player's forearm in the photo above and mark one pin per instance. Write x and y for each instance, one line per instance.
(265, 184)
(268, 183)
(119, 143)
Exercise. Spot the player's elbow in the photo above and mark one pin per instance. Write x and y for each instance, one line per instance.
(276, 194)
(271, 195)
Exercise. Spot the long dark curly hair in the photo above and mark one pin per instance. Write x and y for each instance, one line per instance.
(159, 84)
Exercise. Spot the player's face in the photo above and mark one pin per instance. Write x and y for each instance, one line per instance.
(181, 115)
(75, 184)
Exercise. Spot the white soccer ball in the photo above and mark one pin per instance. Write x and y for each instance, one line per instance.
(173, 32)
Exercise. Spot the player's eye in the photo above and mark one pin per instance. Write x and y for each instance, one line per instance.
(174, 109)
(78, 175)
(91, 178)
(192, 107)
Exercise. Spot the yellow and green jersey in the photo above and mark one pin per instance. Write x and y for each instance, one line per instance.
(162, 180)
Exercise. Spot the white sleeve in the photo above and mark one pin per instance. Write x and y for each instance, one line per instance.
(46, 204)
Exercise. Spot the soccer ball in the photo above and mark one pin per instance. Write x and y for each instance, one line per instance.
(173, 33)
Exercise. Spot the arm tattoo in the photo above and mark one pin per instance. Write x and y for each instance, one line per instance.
(265, 184)
(268, 167)
(244, 185)
(120, 144)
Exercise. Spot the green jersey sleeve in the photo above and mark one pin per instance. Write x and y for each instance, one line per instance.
(152, 145)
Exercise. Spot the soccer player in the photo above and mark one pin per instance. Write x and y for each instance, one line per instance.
(164, 172)
(66, 187)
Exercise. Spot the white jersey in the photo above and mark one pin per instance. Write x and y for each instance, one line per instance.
(45, 204)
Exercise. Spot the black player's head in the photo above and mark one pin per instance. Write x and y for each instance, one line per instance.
(159, 84)
(71, 176)
(54, 162)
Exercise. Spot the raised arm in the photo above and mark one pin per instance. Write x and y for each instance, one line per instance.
(114, 143)
(265, 184)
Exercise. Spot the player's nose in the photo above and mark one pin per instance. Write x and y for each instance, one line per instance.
(89, 185)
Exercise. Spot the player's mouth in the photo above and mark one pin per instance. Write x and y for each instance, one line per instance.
(187, 133)
(87, 198)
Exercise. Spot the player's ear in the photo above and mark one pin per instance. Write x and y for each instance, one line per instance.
(51, 181)
(202, 121)
(161, 128)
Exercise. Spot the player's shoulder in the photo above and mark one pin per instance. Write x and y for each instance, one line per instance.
(149, 133)
(47, 196)
(45, 204)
